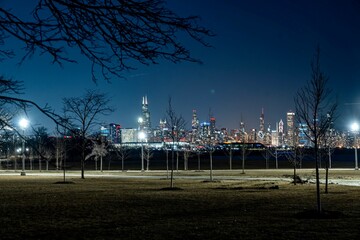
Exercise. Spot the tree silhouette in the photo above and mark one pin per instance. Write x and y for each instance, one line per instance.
(113, 35)
(315, 108)
(83, 113)
(175, 123)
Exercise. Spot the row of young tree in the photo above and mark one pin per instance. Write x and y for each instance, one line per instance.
(115, 36)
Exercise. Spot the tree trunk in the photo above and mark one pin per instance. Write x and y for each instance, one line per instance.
(230, 158)
(198, 161)
(172, 167)
(167, 163)
(211, 166)
(177, 160)
(243, 160)
(318, 200)
(82, 169)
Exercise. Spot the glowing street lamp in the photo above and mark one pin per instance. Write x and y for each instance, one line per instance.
(355, 128)
(23, 123)
(142, 137)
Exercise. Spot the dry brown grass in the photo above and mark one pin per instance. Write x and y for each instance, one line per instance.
(109, 208)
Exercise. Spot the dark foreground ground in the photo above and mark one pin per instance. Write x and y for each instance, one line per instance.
(34, 207)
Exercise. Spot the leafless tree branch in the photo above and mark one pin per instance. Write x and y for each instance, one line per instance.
(111, 34)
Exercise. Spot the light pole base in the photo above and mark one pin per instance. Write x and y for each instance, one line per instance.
(23, 173)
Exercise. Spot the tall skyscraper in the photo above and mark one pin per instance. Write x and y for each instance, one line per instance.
(242, 131)
(262, 121)
(194, 127)
(145, 124)
(281, 132)
(212, 126)
(194, 121)
(290, 126)
(261, 133)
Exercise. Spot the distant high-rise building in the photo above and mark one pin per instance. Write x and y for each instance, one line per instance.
(129, 135)
(242, 126)
(281, 132)
(115, 133)
(262, 121)
(212, 126)
(205, 130)
(261, 132)
(162, 124)
(290, 126)
(145, 123)
(111, 132)
(274, 138)
(194, 136)
(303, 135)
(194, 121)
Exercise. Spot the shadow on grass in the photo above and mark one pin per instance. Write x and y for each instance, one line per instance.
(64, 182)
(171, 189)
(324, 214)
(275, 187)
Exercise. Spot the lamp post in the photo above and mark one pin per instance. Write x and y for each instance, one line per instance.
(355, 129)
(142, 137)
(23, 123)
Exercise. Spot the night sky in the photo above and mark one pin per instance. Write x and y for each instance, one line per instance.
(260, 57)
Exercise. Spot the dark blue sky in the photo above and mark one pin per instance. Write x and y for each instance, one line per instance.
(260, 57)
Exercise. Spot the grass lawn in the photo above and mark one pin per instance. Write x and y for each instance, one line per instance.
(125, 208)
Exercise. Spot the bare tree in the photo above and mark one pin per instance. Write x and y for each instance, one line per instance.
(327, 149)
(315, 107)
(8, 87)
(244, 153)
(98, 151)
(83, 113)
(123, 152)
(228, 150)
(113, 35)
(110, 34)
(148, 153)
(175, 123)
(187, 153)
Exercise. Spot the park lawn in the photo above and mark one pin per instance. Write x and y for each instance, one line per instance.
(110, 208)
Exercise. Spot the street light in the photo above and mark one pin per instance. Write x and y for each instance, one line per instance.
(355, 129)
(23, 123)
(142, 137)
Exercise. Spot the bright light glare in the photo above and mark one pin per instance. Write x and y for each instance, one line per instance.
(354, 127)
(140, 120)
(23, 123)
(142, 135)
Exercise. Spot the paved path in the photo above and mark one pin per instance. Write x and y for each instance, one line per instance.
(203, 175)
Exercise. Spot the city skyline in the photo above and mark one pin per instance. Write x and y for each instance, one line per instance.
(259, 58)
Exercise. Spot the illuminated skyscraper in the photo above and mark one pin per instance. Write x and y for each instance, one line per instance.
(281, 132)
(242, 131)
(194, 121)
(111, 132)
(145, 124)
(290, 124)
(261, 133)
(212, 126)
(262, 121)
(194, 127)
